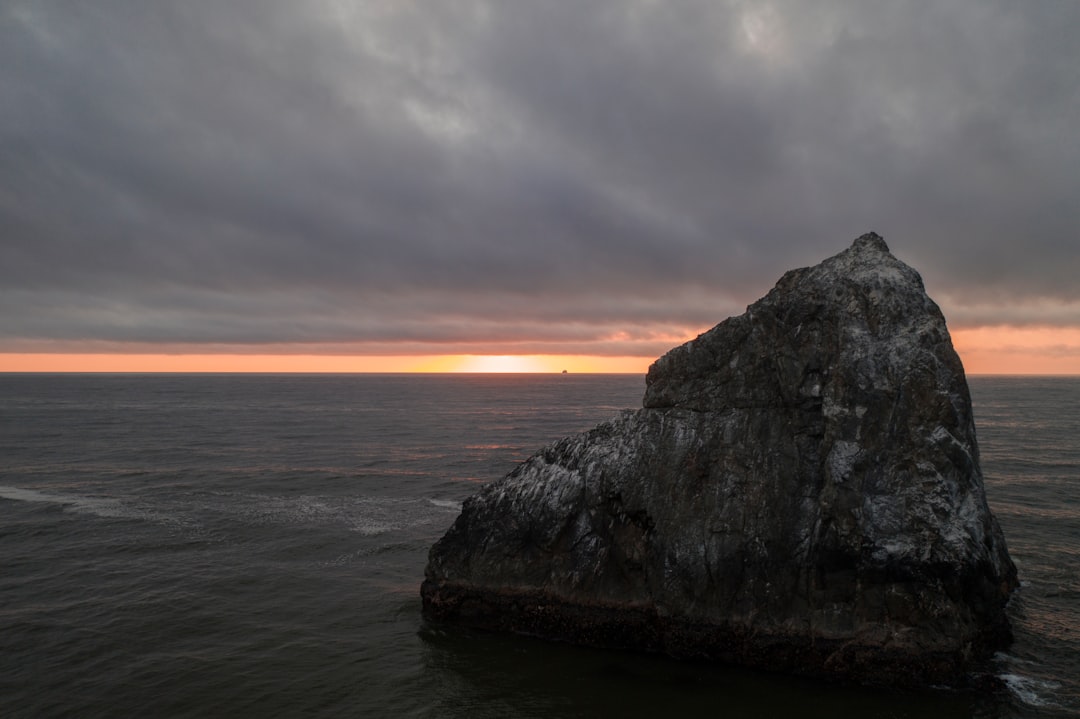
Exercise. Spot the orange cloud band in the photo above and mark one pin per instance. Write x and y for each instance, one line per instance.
(1019, 350)
(116, 362)
(984, 350)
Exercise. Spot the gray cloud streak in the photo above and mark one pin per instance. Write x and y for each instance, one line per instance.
(455, 172)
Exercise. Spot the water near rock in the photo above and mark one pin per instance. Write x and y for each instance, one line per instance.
(800, 492)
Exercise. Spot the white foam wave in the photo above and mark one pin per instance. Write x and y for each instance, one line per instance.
(368, 516)
(373, 529)
(1007, 659)
(99, 506)
(25, 495)
(1029, 690)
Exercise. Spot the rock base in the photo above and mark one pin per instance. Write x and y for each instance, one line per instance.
(642, 628)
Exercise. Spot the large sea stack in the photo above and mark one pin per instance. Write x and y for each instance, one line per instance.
(801, 492)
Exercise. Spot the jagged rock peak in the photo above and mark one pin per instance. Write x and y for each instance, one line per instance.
(870, 241)
(801, 491)
(861, 310)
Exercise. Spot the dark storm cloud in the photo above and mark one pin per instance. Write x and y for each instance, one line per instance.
(557, 176)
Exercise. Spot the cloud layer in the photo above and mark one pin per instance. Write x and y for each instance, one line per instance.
(458, 176)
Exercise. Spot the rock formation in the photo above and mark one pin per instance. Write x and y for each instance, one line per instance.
(800, 492)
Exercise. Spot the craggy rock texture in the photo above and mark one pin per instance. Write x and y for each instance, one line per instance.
(801, 492)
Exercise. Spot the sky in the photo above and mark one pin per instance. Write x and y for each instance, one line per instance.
(233, 185)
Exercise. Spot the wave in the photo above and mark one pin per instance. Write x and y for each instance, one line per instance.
(446, 504)
(190, 513)
(1029, 690)
(366, 515)
(100, 506)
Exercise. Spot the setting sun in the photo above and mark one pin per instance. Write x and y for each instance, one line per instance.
(534, 363)
(487, 363)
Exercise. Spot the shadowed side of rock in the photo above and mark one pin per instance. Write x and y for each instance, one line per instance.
(800, 492)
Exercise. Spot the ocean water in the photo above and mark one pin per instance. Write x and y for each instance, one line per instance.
(253, 546)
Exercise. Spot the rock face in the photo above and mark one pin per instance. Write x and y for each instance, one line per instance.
(800, 492)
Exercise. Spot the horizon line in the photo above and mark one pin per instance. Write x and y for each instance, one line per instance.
(424, 372)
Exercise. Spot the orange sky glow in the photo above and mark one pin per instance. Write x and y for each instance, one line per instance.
(987, 350)
(319, 363)
(1015, 350)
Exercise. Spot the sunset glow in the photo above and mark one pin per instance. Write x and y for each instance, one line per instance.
(320, 363)
(1015, 350)
(986, 350)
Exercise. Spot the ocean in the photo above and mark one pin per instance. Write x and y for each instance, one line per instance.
(253, 546)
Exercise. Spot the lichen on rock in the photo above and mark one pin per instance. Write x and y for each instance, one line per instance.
(801, 491)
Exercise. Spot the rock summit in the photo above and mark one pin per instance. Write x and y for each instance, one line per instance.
(800, 492)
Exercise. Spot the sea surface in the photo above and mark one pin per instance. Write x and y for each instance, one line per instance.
(253, 546)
